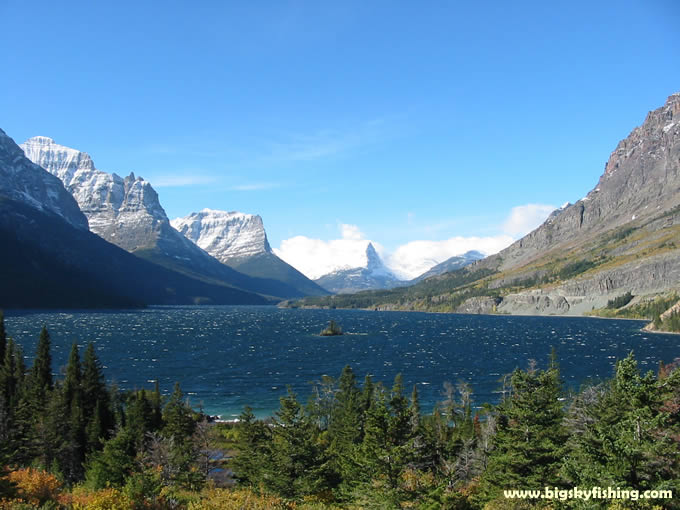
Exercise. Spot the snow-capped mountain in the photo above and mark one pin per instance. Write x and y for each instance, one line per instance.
(127, 212)
(225, 235)
(240, 241)
(24, 181)
(373, 275)
(52, 259)
(451, 264)
(124, 211)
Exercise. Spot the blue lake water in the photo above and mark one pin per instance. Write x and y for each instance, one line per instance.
(232, 356)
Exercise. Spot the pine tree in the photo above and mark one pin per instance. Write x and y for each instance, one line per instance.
(99, 417)
(139, 417)
(177, 417)
(252, 445)
(622, 431)
(297, 465)
(41, 371)
(69, 422)
(529, 444)
(345, 429)
(3, 336)
(156, 407)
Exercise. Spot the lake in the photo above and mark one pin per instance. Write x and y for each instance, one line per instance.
(226, 357)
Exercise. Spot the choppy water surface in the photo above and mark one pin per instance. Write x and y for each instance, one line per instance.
(227, 357)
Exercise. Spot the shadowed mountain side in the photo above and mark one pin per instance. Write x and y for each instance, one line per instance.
(51, 264)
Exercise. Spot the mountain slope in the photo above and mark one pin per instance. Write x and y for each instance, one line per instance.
(52, 264)
(240, 241)
(24, 181)
(127, 212)
(373, 276)
(451, 264)
(624, 236)
(50, 259)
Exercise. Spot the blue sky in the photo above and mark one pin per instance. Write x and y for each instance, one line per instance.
(409, 120)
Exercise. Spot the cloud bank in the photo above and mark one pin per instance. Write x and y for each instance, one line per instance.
(316, 257)
(525, 218)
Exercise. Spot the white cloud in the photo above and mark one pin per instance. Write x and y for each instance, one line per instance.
(351, 232)
(414, 258)
(525, 218)
(315, 257)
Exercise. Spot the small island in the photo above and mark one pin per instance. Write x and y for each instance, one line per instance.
(332, 330)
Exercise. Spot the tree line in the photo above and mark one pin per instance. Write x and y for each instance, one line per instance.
(352, 444)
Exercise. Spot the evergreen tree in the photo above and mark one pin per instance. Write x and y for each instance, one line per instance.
(252, 444)
(297, 464)
(114, 463)
(346, 425)
(41, 372)
(156, 407)
(177, 417)
(624, 432)
(68, 422)
(529, 443)
(96, 401)
(139, 417)
(3, 335)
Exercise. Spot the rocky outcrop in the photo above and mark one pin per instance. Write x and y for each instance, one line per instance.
(22, 180)
(479, 305)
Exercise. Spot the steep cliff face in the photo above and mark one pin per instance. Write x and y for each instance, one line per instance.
(22, 180)
(239, 240)
(124, 211)
(53, 260)
(641, 181)
(127, 212)
(225, 235)
(623, 236)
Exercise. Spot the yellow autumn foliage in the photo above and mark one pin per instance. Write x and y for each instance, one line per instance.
(34, 485)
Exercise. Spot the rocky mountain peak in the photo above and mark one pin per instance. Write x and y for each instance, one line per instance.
(373, 260)
(126, 211)
(61, 161)
(22, 180)
(225, 235)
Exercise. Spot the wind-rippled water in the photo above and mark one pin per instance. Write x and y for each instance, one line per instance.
(232, 356)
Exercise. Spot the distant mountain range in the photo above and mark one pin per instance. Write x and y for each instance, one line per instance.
(127, 212)
(373, 275)
(78, 236)
(51, 259)
(623, 236)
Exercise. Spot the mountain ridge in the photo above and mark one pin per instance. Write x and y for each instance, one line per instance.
(623, 236)
(127, 212)
(239, 241)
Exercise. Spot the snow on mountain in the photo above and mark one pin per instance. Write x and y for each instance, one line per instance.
(124, 211)
(25, 181)
(225, 235)
(373, 275)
